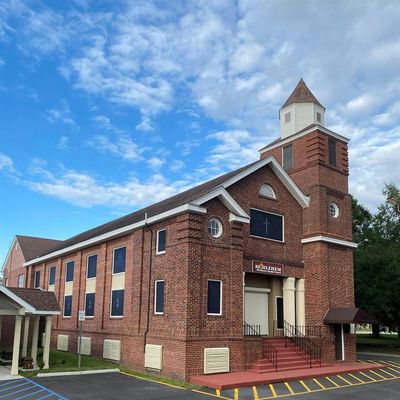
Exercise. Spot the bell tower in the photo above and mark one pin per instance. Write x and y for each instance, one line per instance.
(316, 159)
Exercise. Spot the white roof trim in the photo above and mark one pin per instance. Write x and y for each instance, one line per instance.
(232, 205)
(287, 181)
(119, 231)
(9, 253)
(321, 238)
(17, 299)
(300, 134)
(236, 218)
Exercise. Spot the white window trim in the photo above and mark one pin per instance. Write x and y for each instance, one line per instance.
(66, 269)
(220, 297)
(273, 197)
(220, 225)
(157, 238)
(94, 309)
(116, 248)
(283, 226)
(336, 208)
(51, 284)
(23, 280)
(155, 297)
(87, 266)
(276, 312)
(67, 316)
(37, 272)
(116, 316)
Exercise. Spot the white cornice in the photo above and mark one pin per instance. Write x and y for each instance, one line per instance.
(322, 238)
(118, 232)
(9, 253)
(303, 133)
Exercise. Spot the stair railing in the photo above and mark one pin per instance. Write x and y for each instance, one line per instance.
(251, 330)
(270, 353)
(310, 351)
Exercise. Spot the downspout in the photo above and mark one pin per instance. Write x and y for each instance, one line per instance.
(149, 285)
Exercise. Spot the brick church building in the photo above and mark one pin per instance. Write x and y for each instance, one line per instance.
(196, 283)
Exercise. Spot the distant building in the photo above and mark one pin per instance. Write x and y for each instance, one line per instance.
(195, 283)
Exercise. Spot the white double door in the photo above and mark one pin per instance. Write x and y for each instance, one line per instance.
(256, 308)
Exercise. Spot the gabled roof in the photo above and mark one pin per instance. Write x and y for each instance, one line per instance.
(32, 247)
(35, 301)
(301, 94)
(188, 201)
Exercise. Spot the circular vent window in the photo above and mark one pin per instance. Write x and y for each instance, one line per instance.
(214, 227)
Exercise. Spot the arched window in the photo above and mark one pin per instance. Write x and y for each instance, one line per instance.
(267, 191)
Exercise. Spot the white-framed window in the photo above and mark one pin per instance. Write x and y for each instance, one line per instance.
(267, 191)
(67, 306)
(319, 117)
(52, 275)
(214, 297)
(159, 294)
(91, 266)
(161, 241)
(332, 152)
(119, 260)
(37, 279)
(89, 304)
(69, 271)
(334, 210)
(214, 227)
(287, 117)
(117, 303)
(21, 280)
(267, 225)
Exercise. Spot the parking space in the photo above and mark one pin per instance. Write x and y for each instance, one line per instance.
(16, 389)
(321, 387)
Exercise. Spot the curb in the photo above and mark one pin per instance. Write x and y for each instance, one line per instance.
(383, 355)
(72, 373)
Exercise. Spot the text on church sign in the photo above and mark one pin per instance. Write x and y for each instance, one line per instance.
(267, 267)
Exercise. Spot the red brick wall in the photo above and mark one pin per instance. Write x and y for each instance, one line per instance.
(14, 266)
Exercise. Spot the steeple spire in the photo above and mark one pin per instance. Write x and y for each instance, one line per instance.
(301, 94)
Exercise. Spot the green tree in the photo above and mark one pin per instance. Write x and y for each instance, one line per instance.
(377, 259)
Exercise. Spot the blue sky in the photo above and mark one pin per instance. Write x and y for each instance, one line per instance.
(107, 106)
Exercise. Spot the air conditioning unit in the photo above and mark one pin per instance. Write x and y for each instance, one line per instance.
(62, 342)
(153, 356)
(86, 346)
(216, 360)
(112, 349)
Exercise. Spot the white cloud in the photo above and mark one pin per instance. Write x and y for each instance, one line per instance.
(177, 165)
(62, 114)
(84, 190)
(123, 147)
(155, 162)
(63, 143)
(6, 163)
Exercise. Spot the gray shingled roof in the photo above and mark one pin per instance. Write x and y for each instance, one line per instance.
(39, 299)
(32, 247)
(157, 208)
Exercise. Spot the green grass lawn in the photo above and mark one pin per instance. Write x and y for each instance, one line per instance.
(61, 361)
(386, 343)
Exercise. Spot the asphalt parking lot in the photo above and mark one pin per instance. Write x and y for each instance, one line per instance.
(367, 385)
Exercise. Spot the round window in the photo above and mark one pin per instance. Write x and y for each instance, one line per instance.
(334, 210)
(214, 227)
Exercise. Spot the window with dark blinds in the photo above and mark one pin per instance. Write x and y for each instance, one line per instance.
(37, 279)
(69, 275)
(332, 152)
(89, 304)
(159, 297)
(266, 225)
(91, 266)
(67, 306)
(52, 275)
(214, 298)
(287, 155)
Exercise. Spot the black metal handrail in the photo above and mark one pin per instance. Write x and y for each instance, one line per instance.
(251, 330)
(310, 351)
(306, 330)
(270, 352)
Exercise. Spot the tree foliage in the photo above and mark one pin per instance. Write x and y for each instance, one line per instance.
(377, 259)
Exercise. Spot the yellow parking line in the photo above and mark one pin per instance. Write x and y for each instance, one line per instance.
(255, 393)
(330, 380)
(271, 387)
(363, 374)
(236, 394)
(392, 369)
(305, 386)
(289, 387)
(357, 379)
(373, 362)
(389, 373)
(218, 392)
(210, 394)
(391, 364)
(319, 384)
(152, 380)
(344, 380)
(395, 362)
(375, 373)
